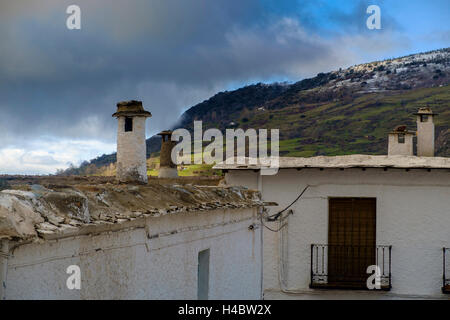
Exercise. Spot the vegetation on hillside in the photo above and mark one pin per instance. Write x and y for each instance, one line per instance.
(347, 111)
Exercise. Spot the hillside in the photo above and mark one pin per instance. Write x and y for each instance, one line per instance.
(346, 111)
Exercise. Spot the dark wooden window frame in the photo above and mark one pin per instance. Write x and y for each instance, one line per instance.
(352, 241)
(128, 124)
(350, 270)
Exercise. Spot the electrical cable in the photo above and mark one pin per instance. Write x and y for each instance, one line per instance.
(275, 216)
(281, 220)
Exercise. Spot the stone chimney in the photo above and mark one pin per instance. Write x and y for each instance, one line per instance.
(400, 142)
(425, 132)
(167, 169)
(131, 146)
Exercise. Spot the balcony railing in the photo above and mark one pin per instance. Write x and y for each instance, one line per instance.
(345, 267)
(446, 270)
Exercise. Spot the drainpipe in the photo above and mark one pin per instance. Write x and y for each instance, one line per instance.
(4, 253)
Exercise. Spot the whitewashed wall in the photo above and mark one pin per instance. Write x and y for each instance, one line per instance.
(131, 151)
(128, 265)
(413, 215)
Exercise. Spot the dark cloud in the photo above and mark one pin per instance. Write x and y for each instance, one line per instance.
(171, 54)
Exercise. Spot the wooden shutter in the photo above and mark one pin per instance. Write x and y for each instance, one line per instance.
(351, 240)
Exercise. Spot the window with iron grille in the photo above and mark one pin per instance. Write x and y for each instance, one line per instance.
(351, 248)
(351, 236)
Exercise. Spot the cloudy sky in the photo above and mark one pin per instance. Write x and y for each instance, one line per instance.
(59, 87)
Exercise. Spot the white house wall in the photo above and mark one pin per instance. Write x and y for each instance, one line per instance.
(413, 215)
(134, 264)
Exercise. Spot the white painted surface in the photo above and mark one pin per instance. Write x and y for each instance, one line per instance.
(131, 151)
(345, 162)
(130, 265)
(425, 137)
(397, 148)
(4, 249)
(166, 172)
(413, 215)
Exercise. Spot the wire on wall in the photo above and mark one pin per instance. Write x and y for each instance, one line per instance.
(275, 216)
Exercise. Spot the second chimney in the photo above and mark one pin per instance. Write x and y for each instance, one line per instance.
(167, 169)
(425, 132)
(400, 142)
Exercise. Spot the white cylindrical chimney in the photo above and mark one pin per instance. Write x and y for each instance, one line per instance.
(131, 146)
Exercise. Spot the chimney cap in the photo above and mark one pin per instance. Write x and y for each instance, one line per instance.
(401, 129)
(131, 108)
(425, 111)
(129, 103)
(165, 133)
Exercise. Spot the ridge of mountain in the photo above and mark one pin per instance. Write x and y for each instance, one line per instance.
(339, 112)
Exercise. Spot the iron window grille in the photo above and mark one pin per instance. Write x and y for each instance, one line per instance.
(348, 265)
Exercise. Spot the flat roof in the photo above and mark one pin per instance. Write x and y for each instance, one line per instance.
(347, 161)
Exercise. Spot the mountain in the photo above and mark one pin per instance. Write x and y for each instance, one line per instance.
(340, 112)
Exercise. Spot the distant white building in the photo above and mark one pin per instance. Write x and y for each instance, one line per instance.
(130, 242)
(344, 214)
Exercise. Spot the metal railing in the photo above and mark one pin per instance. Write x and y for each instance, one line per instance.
(446, 267)
(345, 267)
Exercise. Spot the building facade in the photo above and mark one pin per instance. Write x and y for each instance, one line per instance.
(136, 242)
(354, 212)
